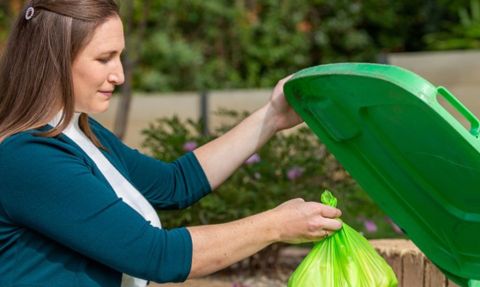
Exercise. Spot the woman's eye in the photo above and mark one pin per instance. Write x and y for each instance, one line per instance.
(104, 60)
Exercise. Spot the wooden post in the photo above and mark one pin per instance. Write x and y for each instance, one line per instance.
(416, 270)
(433, 276)
(413, 269)
(395, 261)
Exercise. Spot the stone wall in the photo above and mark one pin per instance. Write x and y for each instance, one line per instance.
(146, 108)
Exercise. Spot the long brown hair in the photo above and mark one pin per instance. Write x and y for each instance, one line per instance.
(36, 66)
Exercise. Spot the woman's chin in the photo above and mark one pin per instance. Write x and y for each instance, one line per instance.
(98, 109)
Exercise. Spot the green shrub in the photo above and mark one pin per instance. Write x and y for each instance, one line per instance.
(292, 164)
(179, 45)
(197, 45)
(464, 34)
(192, 44)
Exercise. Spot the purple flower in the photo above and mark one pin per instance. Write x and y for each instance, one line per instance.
(395, 227)
(190, 146)
(370, 226)
(254, 158)
(294, 173)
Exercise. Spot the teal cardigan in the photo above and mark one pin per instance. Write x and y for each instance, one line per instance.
(61, 223)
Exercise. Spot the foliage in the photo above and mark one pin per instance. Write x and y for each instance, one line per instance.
(4, 24)
(292, 164)
(464, 34)
(197, 45)
(234, 44)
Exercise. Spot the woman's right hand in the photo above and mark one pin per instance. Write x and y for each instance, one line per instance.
(217, 246)
(298, 221)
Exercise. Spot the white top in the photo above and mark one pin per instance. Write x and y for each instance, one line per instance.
(122, 187)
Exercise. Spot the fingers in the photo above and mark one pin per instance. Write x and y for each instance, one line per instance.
(322, 223)
(279, 86)
(284, 80)
(328, 217)
(301, 221)
(331, 224)
(330, 212)
(325, 210)
(321, 234)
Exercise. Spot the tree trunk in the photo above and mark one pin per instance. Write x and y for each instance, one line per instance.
(121, 118)
(130, 59)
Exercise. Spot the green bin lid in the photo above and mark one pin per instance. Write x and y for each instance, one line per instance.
(419, 164)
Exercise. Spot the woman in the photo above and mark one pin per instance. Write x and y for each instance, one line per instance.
(76, 203)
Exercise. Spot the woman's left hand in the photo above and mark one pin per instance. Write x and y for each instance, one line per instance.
(217, 159)
(282, 114)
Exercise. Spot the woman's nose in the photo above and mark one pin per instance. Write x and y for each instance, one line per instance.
(117, 77)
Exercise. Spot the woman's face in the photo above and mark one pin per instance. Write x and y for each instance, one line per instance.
(97, 68)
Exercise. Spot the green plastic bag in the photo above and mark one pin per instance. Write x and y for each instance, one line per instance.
(343, 259)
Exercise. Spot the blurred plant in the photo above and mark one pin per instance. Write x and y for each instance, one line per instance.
(194, 45)
(135, 30)
(4, 23)
(292, 164)
(198, 45)
(463, 34)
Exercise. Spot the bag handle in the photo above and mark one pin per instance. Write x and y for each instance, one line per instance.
(474, 123)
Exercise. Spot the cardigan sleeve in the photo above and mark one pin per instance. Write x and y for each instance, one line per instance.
(48, 188)
(174, 185)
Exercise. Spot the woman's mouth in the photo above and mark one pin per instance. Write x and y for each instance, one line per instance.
(107, 94)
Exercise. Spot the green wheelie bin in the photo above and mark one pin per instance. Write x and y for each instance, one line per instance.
(387, 128)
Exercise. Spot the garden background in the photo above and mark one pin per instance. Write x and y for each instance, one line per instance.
(201, 46)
